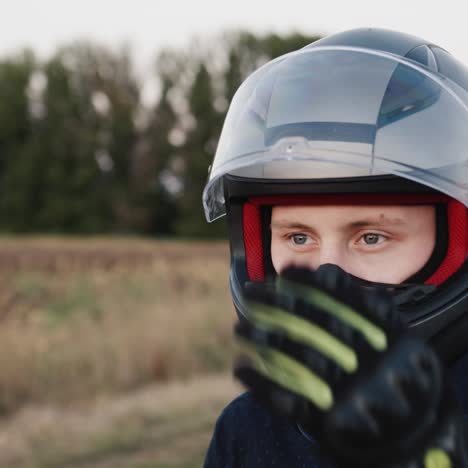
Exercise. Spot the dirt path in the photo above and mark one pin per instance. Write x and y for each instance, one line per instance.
(165, 426)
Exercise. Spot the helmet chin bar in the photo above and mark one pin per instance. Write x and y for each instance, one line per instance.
(402, 293)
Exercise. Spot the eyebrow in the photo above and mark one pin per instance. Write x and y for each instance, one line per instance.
(284, 224)
(382, 220)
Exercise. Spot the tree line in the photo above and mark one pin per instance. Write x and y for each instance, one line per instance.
(82, 152)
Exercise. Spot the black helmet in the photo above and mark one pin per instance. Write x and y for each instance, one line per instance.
(370, 113)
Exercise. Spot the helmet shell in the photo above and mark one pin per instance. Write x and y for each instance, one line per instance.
(350, 105)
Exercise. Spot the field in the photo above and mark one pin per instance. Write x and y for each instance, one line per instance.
(115, 352)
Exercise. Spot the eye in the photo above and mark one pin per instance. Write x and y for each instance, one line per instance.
(300, 239)
(372, 238)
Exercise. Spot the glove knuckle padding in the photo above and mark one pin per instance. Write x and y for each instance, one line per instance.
(390, 412)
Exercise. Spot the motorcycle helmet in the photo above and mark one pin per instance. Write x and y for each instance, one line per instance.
(366, 116)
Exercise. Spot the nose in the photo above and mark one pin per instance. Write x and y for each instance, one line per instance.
(332, 254)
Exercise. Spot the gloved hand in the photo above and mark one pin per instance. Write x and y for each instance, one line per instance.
(332, 356)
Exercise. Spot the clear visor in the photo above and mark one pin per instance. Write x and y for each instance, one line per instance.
(337, 112)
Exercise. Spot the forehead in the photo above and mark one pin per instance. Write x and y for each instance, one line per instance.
(345, 214)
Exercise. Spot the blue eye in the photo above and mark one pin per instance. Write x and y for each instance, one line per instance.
(299, 239)
(372, 239)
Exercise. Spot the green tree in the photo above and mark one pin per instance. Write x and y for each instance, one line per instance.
(197, 152)
(18, 166)
(86, 137)
(154, 171)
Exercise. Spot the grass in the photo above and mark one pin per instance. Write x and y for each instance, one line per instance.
(158, 426)
(111, 351)
(84, 318)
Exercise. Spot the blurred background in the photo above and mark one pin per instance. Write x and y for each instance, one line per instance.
(115, 313)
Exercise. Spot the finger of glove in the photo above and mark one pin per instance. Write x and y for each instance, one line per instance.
(331, 286)
(317, 363)
(276, 397)
(290, 374)
(393, 407)
(271, 310)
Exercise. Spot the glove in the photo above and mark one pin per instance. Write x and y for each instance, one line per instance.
(333, 357)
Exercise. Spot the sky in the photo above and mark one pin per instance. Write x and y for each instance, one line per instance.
(150, 25)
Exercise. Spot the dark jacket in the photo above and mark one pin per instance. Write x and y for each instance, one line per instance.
(248, 436)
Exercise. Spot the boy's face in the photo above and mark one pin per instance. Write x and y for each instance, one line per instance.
(384, 244)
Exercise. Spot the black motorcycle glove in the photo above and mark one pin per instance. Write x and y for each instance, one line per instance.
(332, 357)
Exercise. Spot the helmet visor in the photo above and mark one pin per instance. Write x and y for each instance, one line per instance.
(337, 112)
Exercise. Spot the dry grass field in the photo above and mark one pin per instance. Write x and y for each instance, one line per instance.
(115, 352)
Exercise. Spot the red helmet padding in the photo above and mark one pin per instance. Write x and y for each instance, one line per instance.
(252, 225)
(457, 243)
(457, 225)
